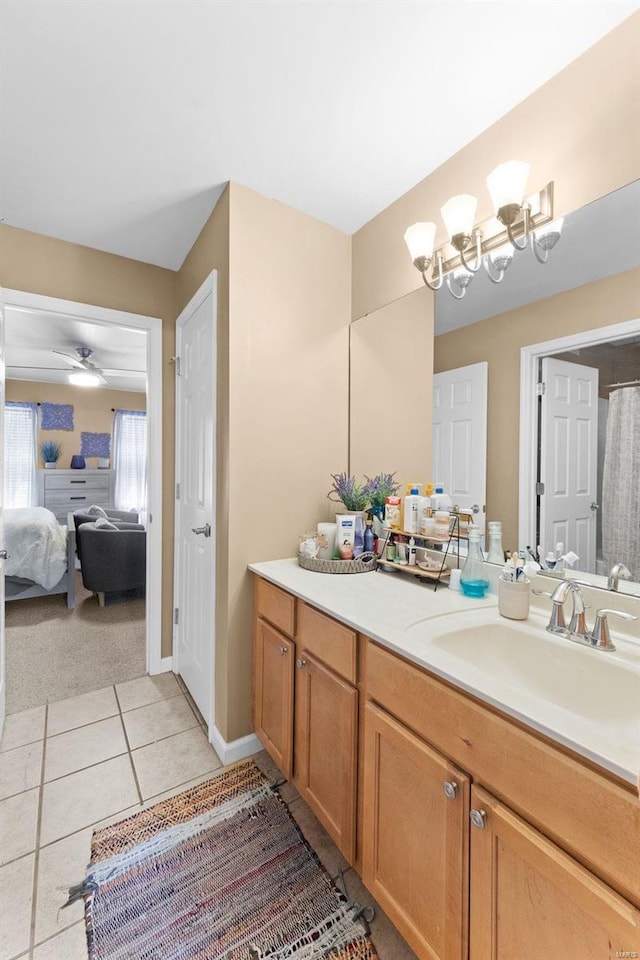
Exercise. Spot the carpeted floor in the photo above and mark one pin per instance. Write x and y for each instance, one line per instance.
(53, 653)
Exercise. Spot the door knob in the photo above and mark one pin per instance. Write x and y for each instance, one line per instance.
(475, 508)
(595, 506)
(4, 555)
(202, 531)
(450, 788)
(478, 819)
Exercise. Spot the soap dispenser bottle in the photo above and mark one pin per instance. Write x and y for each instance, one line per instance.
(412, 511)
(474, 581)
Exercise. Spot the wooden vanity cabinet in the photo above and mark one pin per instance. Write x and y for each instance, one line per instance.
(530, 900)
(415, 852)
(273, 672)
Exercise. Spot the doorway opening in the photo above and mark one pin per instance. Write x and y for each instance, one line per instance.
(106, 625)
(570, 445)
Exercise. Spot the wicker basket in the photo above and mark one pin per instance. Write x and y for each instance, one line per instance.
(365, 563)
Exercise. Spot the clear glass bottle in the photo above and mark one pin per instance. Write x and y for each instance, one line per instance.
(473, 579)
(496, 553)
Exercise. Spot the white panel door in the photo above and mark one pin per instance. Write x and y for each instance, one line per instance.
(3, 682)
(460, 436)
(568, 459)
(195, 503)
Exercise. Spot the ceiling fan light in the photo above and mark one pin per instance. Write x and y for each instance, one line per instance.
(84, 379)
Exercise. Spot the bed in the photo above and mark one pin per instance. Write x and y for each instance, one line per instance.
(40, 555)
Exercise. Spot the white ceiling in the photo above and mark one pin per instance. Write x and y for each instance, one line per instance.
(32, 335)
(121, 121)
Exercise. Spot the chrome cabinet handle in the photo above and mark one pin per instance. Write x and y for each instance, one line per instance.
(282, 651)
(301, 664)
(202, 531)
(450, 788)
(478, 819)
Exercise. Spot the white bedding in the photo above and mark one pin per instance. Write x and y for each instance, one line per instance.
(36, 545)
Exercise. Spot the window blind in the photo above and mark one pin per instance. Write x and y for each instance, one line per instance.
(20, 455)
(130, 460)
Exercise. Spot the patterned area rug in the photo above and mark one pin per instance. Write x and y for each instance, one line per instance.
(220, 872)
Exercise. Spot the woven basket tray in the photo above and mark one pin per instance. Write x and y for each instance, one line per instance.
(365, 563)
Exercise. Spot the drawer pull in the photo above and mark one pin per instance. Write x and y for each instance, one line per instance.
(77, 498)
(450, 788)
(301, 664)
(478, 819)
(282, 651)
(77, 481)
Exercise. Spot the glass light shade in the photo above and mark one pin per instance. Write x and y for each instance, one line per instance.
(459, 214)
(548, 236)
(507, 183)
(84, 379)
(420, 239)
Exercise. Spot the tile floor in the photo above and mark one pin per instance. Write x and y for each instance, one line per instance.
(71, 766)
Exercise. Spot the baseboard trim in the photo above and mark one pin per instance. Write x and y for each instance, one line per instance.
(236, 749)
(166, 664)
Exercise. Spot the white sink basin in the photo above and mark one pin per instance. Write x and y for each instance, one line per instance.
(587, 698)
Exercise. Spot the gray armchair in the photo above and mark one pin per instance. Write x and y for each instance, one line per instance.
(81, 516)
(112, 560)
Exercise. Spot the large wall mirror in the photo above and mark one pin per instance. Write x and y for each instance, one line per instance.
(590, 284)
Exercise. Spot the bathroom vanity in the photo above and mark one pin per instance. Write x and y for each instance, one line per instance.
(486, 818)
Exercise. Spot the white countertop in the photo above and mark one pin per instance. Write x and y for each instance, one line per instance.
(404, 617)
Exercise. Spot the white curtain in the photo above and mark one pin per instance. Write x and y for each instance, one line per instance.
(20, 455)
(621, 481)
(130, 460)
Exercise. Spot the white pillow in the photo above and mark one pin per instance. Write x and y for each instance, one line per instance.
(103, 524)
(95, 511)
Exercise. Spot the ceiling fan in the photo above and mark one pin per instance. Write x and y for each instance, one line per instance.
(87, 373)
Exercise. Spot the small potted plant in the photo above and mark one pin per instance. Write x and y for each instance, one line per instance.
(348, 491)
(50, 453)
(378, 488)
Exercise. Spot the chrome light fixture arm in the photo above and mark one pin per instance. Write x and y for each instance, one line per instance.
(462, 289)
(423, 264)
(502, 264)
(510, 220)
(462, 243)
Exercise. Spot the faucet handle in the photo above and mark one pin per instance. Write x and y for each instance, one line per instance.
(600, 636)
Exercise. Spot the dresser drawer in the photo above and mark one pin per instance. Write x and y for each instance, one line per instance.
(330, 641)
(59, 483)
(276, 606)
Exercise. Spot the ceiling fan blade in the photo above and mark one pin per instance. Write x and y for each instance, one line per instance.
(18, 366)
(123, 373)
(72, 361)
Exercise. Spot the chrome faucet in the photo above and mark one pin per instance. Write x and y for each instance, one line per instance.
(600, 636)
(618, 570)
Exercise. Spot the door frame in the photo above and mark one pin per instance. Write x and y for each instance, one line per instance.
(529, 357)
(208, 288)
(152, 326)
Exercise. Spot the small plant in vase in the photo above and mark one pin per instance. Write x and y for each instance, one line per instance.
(378, 488)
(50, 453)
(348, 491)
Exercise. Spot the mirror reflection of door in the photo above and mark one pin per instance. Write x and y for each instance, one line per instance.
(460, 436)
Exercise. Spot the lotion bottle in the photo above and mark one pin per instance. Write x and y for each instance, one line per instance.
(412, 510)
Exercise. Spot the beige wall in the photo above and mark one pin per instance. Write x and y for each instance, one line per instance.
(499, 341)
(289, 302)
(55, 268)
(580, 130)
(92, 411)
(391, 397)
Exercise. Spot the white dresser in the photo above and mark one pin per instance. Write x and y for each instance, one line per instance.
(63, 491)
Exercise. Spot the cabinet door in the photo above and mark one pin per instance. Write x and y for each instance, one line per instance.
(415, 838)
(326, 749)
(531, 901)
(274, 657)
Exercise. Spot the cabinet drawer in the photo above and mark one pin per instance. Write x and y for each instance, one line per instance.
(583, 811)
(73, 499)
(74, 483)
(331, 642)
(276, 606)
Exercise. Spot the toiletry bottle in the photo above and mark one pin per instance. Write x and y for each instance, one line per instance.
(369, 537)
(411, 508)
(473, 579)
(442, 499)
(358, 540)
(412, 552)
(496, 553)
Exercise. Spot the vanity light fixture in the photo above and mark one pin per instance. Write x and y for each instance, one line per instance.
(519, 221)
(84, 379)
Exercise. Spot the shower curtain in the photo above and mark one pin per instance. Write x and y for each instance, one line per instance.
(621, 482)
